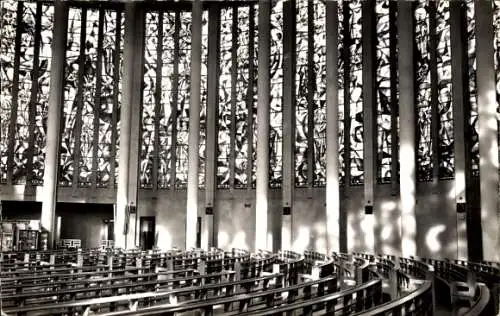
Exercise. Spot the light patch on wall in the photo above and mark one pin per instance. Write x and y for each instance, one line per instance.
(367, 225)
(386, 233)
(351, 236)
(432, 238)
(302, 241)
(320, 245)
(239, 241)
(165, 239)
(223, 239)
(269, 241)
(388, 206)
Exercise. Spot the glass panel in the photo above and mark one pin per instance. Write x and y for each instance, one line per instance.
(167, 102)
(66, 164)
(384, 97)
(149, 101)
(242, 80)
(424, 117)
(183, 100)
(445, 107)
(356, 93)
(224, 112)
(496, 42)
(319, 58)
(301, 94)
(88, 92)
(254, 96)
(26, 63)
(276, 82)
(471, 53)
(7, 50)
(203, 109)
(341, 85)
(42, 100)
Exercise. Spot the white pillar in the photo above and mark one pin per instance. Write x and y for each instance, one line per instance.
(194, 126)
(458, 41)
(49, 198)
(263, 97)
(332, 129)
(369, 119)
(288, 186)
(488, 129)
(126, 195)
(407, 182)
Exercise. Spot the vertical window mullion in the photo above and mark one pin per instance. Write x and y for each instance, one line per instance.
(249, 101)
(175, 92)
(33, 97)
(347, 93)
(15, 91)
(158, 115)
(114, 115)
(97, 100)
(79, 100)
(234, 80)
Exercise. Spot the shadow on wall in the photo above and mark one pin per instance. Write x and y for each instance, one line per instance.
(83, 221)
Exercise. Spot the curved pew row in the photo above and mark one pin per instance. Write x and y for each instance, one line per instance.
(265, 283)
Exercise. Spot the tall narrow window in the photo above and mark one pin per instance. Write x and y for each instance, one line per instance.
(276, 82)
(473, 123)
(356, 94)
(341, 90)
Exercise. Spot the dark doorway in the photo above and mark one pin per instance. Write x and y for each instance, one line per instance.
(147, 232)
(84, 221)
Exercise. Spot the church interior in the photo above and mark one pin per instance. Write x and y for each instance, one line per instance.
(255, 157)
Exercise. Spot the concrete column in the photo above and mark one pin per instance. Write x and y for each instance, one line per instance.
(263, 97)
(208, 237)
(125, 223)
(369, 118)
(332, 129)
(194, 126)
(407, 182)
(49, 197)
(488, 129)
(288, 121)
(458, 43)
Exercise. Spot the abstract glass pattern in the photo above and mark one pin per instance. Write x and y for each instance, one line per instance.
(167, 103)
(255, 51)
(301, 93)
(341, 88)
(116, 130)
(445, 107)
(276, 85)
(67, 150)
(203, 106)
(22, 123)
(242, 111)
(88, 99)
(149, 100)
(384, 97)
(107, 98)
(319, 58)
(356, 94)
(42, 97)
(471, 57)
(496, 26)
(183, 100)
(7, 51)
(424, 115)
(225, 101)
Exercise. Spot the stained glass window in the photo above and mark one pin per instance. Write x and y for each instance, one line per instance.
(44, 61)
(424, 115)
(384, 97)
(356, 94)
(341, 89)
(26, 63)
(225, 101)
(301, 94)
(203, 109)
(254, 64)
(496, 25)
(70, 105)
(7, 50)
(319, 61)
(241, 110)
(445, 107)
(276, 84)
(471, 56)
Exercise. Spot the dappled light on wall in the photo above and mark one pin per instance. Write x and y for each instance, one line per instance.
(164, 241)
(432, 239)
